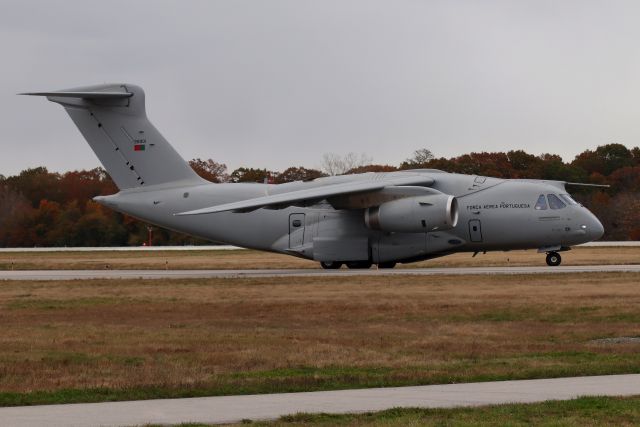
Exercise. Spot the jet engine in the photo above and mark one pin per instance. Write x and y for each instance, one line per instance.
(414, 214)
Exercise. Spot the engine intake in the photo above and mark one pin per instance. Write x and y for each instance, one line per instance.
(414, 214)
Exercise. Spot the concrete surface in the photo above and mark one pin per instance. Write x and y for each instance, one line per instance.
(225, 409)
(604, 244)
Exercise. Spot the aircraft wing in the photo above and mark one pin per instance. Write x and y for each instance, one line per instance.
(312, 195)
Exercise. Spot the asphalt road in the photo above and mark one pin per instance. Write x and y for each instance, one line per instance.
(226, 409)
(163, 274)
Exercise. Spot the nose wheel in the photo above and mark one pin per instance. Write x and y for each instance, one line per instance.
(553, 259)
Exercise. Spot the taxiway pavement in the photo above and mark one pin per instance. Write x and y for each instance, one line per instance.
(227, 409)
(181, 274)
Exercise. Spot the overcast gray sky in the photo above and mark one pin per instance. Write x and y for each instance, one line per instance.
(278, 83)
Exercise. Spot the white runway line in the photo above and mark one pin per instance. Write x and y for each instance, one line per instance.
(228, 409)
(181, 274)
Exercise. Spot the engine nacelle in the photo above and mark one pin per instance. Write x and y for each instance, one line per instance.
(414, 214)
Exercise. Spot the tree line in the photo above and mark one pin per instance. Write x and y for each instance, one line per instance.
(43, 208)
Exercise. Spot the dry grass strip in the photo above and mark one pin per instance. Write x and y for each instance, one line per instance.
(269, 334)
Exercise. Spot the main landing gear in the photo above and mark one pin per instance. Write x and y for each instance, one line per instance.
(330, 265)
(359, 264)
(389, 264)
(553, 259)
(335, 265)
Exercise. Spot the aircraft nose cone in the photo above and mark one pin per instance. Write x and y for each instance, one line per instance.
(598, 229)
(595, 228)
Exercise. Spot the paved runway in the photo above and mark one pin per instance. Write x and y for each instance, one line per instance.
(177, 274)
(602, 244)
(226, 409)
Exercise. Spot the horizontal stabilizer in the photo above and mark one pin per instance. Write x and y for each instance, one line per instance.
(86, 95)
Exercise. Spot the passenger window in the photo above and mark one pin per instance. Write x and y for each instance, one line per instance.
(555, 202)
(567, 198)
(541, 204)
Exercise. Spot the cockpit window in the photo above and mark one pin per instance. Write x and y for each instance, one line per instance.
(567, 198)
(555, 202)
(541, 204)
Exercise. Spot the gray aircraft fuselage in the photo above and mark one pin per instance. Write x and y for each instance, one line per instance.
(494, 214)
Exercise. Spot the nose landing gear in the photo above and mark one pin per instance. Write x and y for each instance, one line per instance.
(553, 259)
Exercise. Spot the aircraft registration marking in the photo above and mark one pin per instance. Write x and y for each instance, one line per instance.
(501, 205)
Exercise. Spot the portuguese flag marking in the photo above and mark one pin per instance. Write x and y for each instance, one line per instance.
(138, 147)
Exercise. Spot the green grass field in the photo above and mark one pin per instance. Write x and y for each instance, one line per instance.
(101, 340)
(586, 411)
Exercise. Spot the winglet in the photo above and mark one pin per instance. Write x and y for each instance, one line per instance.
(580, 184)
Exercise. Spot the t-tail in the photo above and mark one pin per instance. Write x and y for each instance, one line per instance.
(113, 120)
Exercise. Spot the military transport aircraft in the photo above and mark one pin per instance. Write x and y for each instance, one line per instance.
(357, 220)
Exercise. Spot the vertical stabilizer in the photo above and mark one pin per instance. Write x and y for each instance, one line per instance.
(113, 120)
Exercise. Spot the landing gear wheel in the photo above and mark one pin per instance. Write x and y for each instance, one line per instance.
(331, 265)
(553, 259)
(359, 264)
(389, 264)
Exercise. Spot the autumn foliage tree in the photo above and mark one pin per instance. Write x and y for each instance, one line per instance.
(297, 174)
(42, 208)
(250, 175)
(210, 170)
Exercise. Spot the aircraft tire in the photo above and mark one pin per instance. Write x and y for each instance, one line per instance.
(388, 264)
(553, 259)
(359, 264)
(330, 265)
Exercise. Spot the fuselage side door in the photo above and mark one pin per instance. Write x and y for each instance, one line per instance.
(475, 230)
(296, 229)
